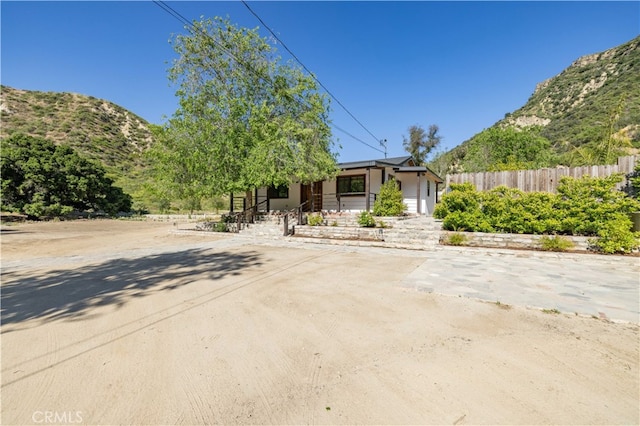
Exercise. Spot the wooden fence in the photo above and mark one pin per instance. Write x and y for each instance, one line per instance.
(541, 180)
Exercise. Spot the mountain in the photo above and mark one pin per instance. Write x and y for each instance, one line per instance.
(97, 128)
(595, 98)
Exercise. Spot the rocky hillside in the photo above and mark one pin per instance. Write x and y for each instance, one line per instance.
(97, 128)
(595, 96)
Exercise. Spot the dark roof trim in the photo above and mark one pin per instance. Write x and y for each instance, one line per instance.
(419, 169)
(384, 162)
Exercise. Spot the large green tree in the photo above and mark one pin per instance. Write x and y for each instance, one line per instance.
(42, 179)
(246, 119)
(421, 142)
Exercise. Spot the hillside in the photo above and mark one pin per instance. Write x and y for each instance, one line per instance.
(97, 128)
(597, 96)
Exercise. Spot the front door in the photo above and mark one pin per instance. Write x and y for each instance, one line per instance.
(313, 194)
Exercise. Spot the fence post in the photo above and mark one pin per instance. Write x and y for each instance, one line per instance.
(286, 225)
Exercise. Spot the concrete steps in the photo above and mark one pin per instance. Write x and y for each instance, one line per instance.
(418, 232)
(260, 229)
(412, 232)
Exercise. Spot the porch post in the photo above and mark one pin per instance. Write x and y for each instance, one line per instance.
(418, 209)
(268, 201)
(312, 198)
(368, 189)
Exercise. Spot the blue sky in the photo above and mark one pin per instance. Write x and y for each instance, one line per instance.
(460, 65)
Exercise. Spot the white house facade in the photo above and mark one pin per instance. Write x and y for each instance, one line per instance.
(356, 187)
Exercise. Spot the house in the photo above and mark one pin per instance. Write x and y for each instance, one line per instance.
(356, 187)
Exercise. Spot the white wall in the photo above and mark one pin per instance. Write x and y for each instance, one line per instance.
(351, 203)
(357, 203)
(410, 190)
(283, 203)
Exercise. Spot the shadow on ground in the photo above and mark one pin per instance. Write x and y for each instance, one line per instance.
(71, 294)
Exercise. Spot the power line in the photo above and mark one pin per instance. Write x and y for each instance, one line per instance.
(171, 11)
(357, 139)
(174, 13)
(310, 73)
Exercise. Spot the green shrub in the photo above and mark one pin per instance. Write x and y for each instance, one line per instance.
(456, 239)
(366, 220)
(555, 243)
(382, 224)
(462, 198)
(39, 209)
(42, 179)
(315, 219)
(389, 201)
(616, 237)
(220, 227)
(586, 206)
(513, 211)
(589, 204)
(467, 221)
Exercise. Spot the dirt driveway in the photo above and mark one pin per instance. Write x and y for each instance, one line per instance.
(116, 322)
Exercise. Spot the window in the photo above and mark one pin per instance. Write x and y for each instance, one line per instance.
(428, 188)
(351, 184)
(281, 191)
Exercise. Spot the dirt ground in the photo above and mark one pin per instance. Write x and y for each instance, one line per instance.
(121, 322)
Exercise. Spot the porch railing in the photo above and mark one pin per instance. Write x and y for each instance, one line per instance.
(236, 221)
(295, 214)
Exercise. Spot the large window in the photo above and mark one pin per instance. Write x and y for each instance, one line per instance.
(278, 192)
(353, 185)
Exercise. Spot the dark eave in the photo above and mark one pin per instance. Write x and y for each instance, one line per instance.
(384, 162)
(419, 169)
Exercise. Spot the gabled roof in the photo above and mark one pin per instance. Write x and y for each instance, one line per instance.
(404, 164)
(384, 162)
(419, 169)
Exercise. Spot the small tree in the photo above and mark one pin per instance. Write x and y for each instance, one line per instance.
(420, 142)
(389, 201)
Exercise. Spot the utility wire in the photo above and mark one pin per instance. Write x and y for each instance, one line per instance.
(312, 75)
(358, 139)
(171, 11)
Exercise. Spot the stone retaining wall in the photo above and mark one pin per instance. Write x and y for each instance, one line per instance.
(516, 241)
(339, 232)
(182, 217)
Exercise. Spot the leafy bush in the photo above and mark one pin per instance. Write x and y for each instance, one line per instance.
(456, 239)
(43, 180)
(555, 243)
(462, 198)
(366, 220)
(467, 221)
(389, 201)
(220, 227)
(315, 219)
(616, 237)
(586, 206)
